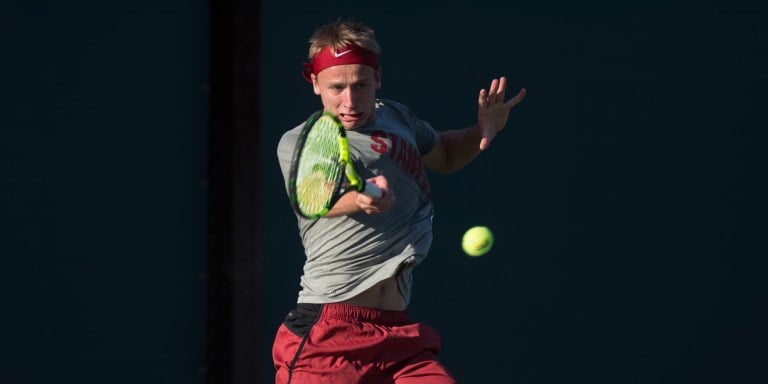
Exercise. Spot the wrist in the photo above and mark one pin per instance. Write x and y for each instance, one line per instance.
(478, 130)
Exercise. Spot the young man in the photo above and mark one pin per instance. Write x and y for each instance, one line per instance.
(351, 323)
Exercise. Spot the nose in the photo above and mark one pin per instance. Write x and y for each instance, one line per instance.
(348, 98)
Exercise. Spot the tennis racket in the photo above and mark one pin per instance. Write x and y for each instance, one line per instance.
(321, 171)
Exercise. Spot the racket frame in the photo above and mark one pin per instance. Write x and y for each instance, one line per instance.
(345, 181)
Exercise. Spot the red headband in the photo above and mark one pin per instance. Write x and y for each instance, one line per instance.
(328, 57)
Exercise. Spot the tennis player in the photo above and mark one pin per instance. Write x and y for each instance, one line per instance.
(351, 324)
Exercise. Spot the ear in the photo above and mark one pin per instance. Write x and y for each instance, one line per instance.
(315, 85)
(378, 78)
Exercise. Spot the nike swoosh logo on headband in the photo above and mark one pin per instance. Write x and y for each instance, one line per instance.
(340, 54)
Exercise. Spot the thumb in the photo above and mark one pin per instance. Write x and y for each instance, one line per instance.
(487, 137)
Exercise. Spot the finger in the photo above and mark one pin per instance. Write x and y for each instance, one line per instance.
(364, 200)
(487, 137)
(382, 182)
(492, 91)
(484, 143)
(518, 98)
(482, 99)
(502, 88)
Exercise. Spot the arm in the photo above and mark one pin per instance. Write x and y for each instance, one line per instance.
(354, 202)
(457, 148)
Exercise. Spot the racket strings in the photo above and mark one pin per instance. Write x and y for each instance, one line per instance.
(319, 168)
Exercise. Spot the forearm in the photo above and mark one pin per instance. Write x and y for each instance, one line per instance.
(356, 202)
(346, 205)
(458, 148)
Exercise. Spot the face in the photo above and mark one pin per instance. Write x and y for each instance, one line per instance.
(349, 92)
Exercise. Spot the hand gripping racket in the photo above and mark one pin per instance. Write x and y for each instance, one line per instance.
(321, 171)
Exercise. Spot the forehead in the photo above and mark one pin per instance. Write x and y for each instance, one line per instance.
(348, 73)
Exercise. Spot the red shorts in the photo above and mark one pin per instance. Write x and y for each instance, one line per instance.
(345, 344)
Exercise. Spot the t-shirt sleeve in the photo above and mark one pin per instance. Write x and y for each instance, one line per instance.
(426, 137)
(285, 152)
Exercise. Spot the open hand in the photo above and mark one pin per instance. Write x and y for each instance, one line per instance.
(493, 111)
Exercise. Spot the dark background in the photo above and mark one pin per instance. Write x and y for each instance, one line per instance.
(627, 194)
(103, 193)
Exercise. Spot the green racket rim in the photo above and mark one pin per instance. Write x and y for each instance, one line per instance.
(317, 169)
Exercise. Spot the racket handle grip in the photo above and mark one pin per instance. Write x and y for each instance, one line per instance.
(371, 189)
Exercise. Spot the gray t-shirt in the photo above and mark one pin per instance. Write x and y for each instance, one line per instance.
(349, 254)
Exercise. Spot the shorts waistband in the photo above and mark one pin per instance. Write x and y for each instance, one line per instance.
(353, 312)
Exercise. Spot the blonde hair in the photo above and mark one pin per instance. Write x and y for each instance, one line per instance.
(340, 34)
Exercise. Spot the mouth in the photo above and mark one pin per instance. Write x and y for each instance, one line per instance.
(350, 117)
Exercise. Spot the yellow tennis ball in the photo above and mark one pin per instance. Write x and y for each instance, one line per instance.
(477, 241)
